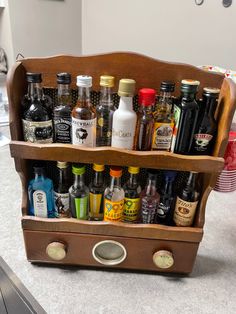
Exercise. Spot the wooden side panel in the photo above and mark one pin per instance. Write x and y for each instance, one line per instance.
(139, 251)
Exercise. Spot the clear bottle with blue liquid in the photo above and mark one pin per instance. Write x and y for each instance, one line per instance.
(41, 195)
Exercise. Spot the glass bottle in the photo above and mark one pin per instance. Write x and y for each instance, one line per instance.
(149, 200)
(96, 191)
(79, 194)
(61, 189)
(37, 116)
(114, 197)
(132, 190)
(165, 208)
(41, 195)
(62, 111)
(145, 120)
(124, 118)
(164, 122)
(206, 128)
(185, 115)
(186, 202)
(105, 111)
(84, 115)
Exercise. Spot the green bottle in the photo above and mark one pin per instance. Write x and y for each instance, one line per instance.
(79, 194)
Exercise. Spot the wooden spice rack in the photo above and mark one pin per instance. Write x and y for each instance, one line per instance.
(72, 241)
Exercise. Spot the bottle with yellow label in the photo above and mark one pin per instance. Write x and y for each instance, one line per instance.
(105, 111)
(132, 196)
(164, 122)
(96, 190)
(114, 197)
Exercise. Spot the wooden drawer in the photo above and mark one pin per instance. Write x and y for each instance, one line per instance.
(79, 250)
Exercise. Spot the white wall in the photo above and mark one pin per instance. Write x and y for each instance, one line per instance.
(46, 27)
(173, 30)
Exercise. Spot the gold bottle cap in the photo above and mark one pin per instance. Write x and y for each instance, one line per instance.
(62, 164)
(133, 170)
(107, 81)
(98, 167)
(211, 90)
(190, 82)
(126, 87)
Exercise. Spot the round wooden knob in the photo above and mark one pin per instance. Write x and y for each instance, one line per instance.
(163, 259)
(56, 251)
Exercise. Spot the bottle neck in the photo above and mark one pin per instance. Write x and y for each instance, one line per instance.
(98, 178)
(126, 103)
(188, 96)
(165, 96)
(106, 96)
(151, 187)
(115, 182)
(39, 176)
(133, 180)
(191, 183)
(84, 96)
(78, 180)
(35, 91)
(63, 175)
(168, 186)
(210, 104)
(146, 109)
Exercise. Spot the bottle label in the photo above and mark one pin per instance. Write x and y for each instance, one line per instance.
(62, 130)
(40, 204)
(81, 207)
(162, 135)
(131, 209)
(62, 204)
(37, 132)
(162, 210)
(84, 132)
(123, 134)
(113, 211)
(177, 113)
(202, 141)
(95, 204)
(184, 212)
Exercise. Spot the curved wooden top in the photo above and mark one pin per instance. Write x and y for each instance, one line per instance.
(147, 71)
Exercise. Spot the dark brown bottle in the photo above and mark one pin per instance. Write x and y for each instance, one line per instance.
(37, 114)
(62, 111)
(186, 202)
(206, 128)
(185, 116)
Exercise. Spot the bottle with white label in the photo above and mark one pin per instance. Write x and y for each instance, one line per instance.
(186, 202)
(79, 194)
(84, 115)
(41, 195)
(124, 118)
(61, 189)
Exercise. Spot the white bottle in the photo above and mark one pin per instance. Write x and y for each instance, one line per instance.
(124, 118)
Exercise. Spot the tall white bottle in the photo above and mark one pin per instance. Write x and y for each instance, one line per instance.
(124, 118)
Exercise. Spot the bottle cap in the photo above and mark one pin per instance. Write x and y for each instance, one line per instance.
(63, 78)
(170, 175)
(211, 91)
(33, 77)
(189, 85)
(62, 164)
(147, 96)
(98, 168)
(116, 172)
(133, 170)
(107, 81)
(39, 170)
(126, 87)
(167, 86)
(84, 81)
(78, 169)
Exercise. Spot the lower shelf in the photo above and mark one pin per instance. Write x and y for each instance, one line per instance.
(117, 245)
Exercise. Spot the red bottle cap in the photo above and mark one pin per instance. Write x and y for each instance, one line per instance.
(147, 96)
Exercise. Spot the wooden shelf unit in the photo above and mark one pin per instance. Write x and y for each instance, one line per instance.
(140, 241)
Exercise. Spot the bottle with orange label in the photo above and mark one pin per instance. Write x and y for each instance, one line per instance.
(114, 197)
(164, 122)
(96, 190)
(132, 190)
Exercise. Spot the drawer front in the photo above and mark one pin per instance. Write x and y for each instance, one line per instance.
(107, 251)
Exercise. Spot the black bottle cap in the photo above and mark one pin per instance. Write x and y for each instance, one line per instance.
(39, 170)
(34, 77)
(167, 86)
(63, 78)
(189, 86)
(170, 175)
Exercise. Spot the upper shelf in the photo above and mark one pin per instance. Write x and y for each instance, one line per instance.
(114, 156)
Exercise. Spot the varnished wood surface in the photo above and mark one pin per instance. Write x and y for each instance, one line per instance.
(114, 156)
(147, 231)
(139, 251)
(147, 71)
